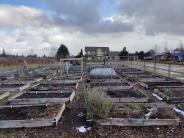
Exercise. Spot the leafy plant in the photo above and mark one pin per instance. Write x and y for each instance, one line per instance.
(97, 104)
(168, 92)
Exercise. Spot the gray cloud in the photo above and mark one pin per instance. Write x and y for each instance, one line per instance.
(156, 16)
(86, 15)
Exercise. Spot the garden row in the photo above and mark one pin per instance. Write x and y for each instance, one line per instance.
(38, 98)
(121, 97)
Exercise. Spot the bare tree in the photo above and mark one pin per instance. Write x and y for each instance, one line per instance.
(181, 47)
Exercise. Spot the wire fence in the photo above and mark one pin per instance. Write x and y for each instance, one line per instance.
(170, 70)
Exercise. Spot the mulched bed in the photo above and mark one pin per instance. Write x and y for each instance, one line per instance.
(33, 112)
(124, 93)
(44, 95)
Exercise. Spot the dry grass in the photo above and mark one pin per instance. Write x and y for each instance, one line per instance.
(97, 104)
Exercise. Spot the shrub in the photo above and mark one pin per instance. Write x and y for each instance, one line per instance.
(97, 104)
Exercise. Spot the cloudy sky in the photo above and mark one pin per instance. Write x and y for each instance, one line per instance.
(40, 26)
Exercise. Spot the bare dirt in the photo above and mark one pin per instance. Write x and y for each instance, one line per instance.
(44, 95)
(34, 112)
(124, 93)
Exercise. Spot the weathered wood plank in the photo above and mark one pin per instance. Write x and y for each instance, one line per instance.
(26, 123)
(137, 122)
(4, 95)
(129, 100)
(59, 114)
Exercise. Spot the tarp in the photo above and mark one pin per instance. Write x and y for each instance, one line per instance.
(103, 72)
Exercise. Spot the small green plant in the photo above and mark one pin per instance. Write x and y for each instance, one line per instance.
(142, 107)
(168, 92)
(131, 107)
(97, 104)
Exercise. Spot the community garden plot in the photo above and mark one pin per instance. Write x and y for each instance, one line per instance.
(172, 95)
(70, 81)
(126, 96)
(53, 87)
(65, 79)
(42, 97)
(165, 83)
(143, 77)
(140, 115)
(28, 116)
(130, 70)
(111, 85)
(24, 80)
(45, 73)
(13, 87)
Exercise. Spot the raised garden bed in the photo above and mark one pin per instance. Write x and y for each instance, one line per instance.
(153, 84)
(126, 70)
(62, 82)
(19, 116)
(110, 85)
(126, 96)
(139, 78)
(24, 81)
(53, 87)
(12, 87)
(42, 97)
(140, 115)
(171, 95)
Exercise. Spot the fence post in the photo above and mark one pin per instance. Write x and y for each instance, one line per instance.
(144, 65)
(155, 66)
(169, 70)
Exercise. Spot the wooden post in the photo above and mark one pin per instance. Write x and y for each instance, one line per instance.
(155, 66)
(144, 65)
(169, 70)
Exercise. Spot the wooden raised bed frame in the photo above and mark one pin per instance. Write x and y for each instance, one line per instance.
(144, 99)
(137, 122)
(147, 84)
(28, 101)
(19, 89)
(4, 95)
(29, 123)
(170, 99)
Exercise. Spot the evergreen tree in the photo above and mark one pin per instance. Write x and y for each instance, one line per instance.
(123, 54)
(4, 53)
(80, 54)
(62, 52)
